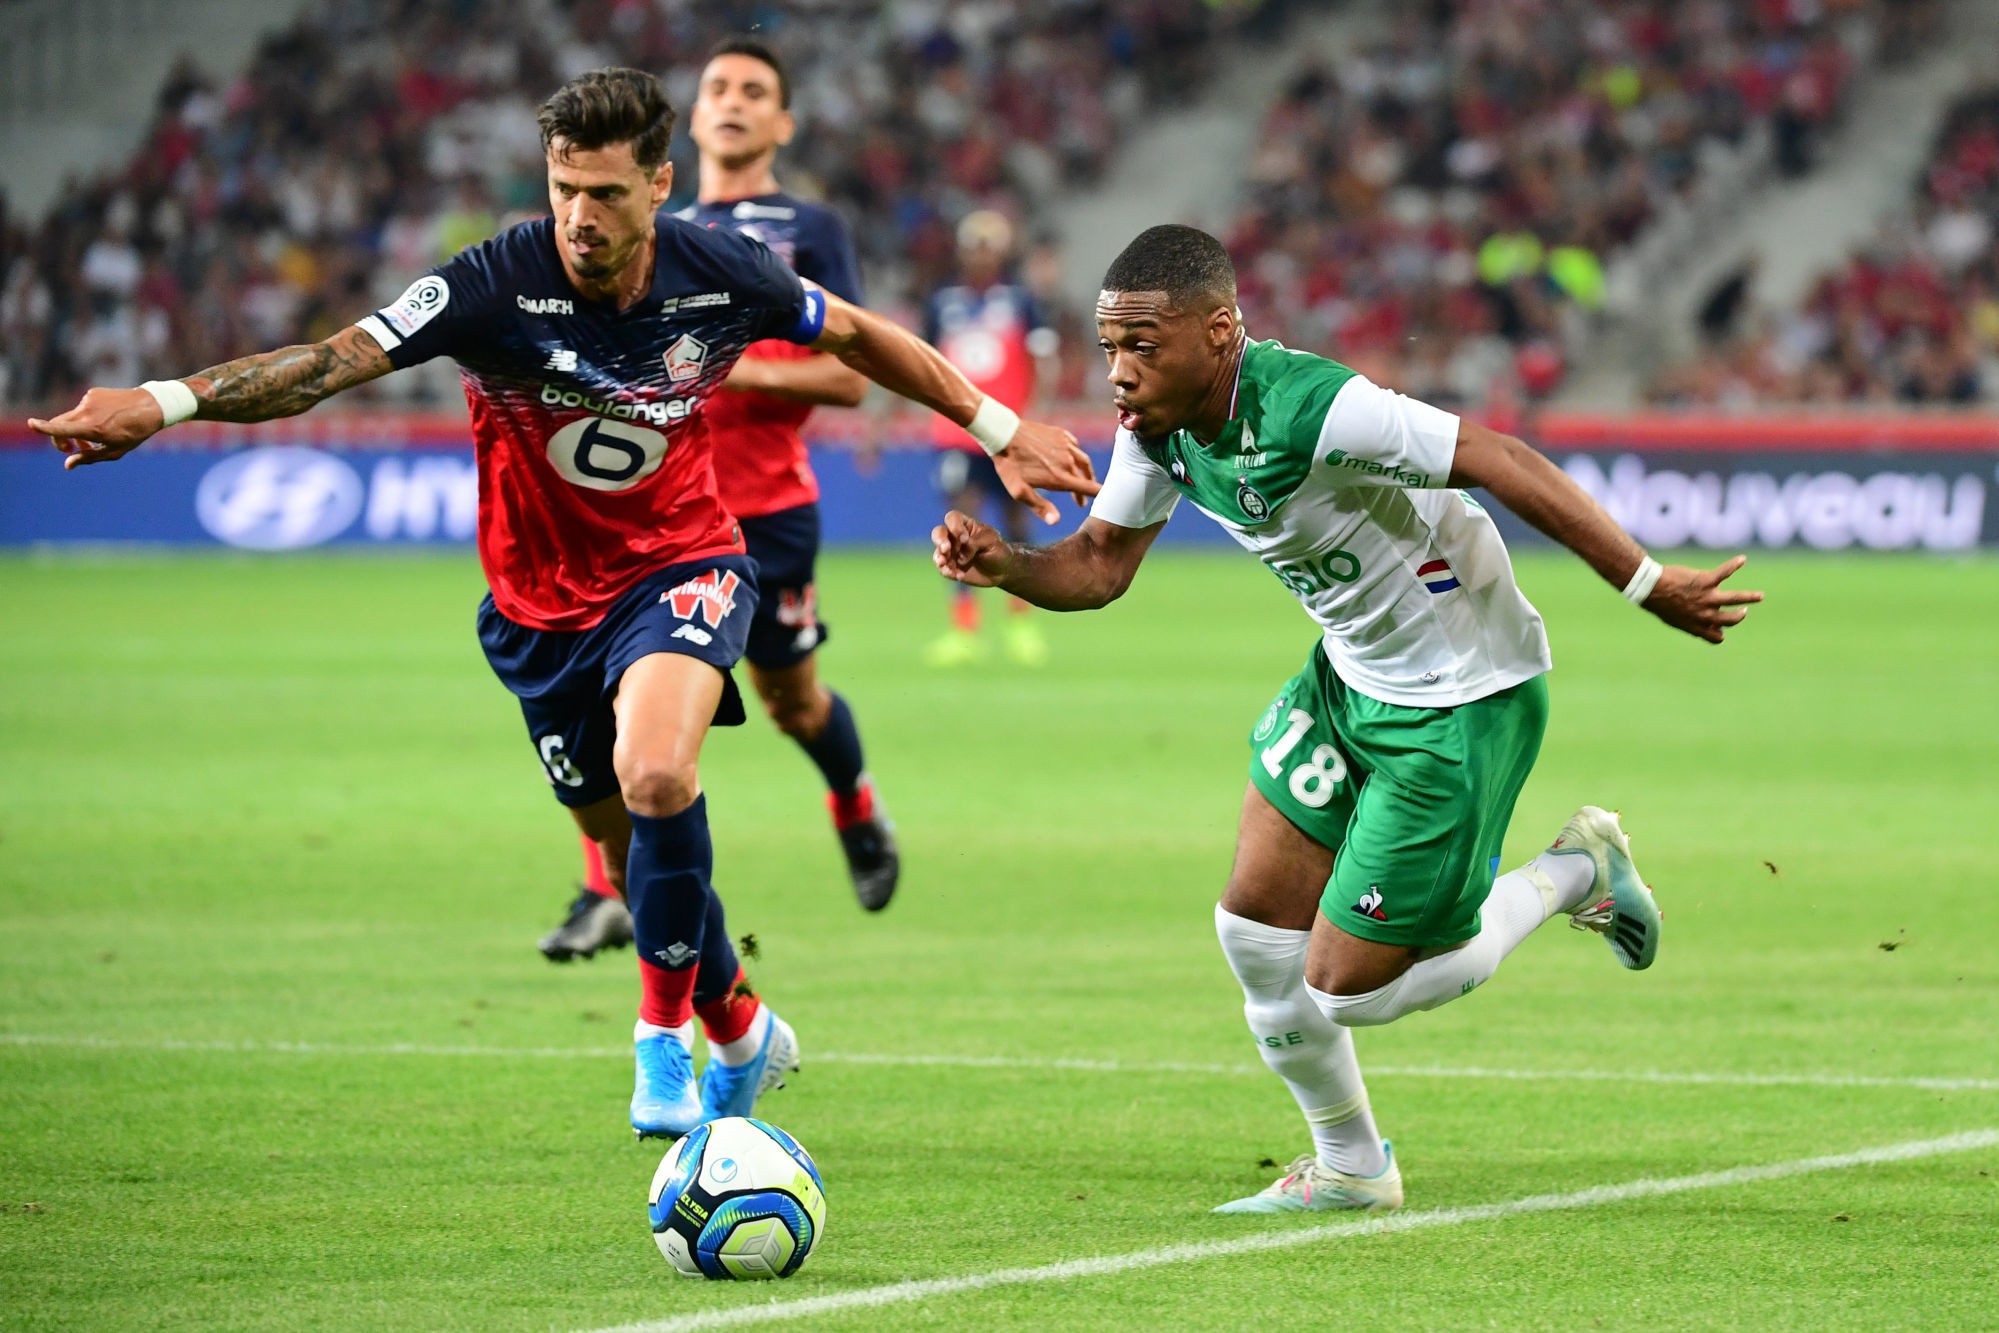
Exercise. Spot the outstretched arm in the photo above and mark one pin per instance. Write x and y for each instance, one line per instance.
(1033, 455)
(1089, 568)
(1525, 481)
(109, 423)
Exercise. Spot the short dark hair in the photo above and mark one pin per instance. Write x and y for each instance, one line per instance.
(610, 106)
(1184, 262)
(744, 45)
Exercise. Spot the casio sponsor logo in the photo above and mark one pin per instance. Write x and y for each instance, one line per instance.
(546, 305)
(658, 413)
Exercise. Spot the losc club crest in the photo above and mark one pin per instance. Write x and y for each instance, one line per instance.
(685, 358)
(1252, 502)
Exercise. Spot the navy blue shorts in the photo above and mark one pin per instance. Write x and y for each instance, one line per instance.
(566, 679)
(786, 628)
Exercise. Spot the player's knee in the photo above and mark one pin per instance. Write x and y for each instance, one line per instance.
(656, 787)
(798, 714)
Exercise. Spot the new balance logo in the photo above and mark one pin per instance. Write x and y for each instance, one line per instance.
(562, 360)
(693, 634)
(713, 595)
(1370, 903)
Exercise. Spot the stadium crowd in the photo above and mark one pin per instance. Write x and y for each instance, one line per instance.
(1910, 318)
(1439, 209)
(374, 138)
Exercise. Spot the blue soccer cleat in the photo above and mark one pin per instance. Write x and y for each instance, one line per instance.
(733, 1089)
(664, 1102)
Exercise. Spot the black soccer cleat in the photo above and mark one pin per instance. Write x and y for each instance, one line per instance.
(593, 923)
(873, 862)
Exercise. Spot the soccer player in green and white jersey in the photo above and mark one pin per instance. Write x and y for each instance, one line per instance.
(1384, 773)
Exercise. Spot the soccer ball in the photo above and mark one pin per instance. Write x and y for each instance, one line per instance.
(737, 1198)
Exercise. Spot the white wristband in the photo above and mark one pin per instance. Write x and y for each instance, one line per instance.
(1642, 582)
(993, 425)
(177, 401)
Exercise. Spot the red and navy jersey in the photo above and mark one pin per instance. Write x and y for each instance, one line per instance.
(992, 335)
(593, 452)
(761, 464)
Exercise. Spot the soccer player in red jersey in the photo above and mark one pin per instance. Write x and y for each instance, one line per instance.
(740, 118)
(993, 329)
(621, 595)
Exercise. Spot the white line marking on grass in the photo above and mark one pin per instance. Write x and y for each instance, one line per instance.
(900, 1293)
(1051, 1064)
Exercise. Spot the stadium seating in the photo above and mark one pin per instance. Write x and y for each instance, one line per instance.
(1440, 207)
(1911, 318)
(368, 142)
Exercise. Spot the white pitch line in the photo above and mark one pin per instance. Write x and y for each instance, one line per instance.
(1050, 1064)
(900, 1293)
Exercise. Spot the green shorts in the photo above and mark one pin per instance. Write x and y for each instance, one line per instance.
(1414, 802)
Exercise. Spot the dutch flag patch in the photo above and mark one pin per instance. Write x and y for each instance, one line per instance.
(1437, 576)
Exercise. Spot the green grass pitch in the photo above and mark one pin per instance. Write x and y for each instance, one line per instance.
(263, 821)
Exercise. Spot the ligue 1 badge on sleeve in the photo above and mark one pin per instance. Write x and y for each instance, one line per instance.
(1252, 502)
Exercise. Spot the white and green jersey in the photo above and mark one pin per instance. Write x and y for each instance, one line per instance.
(1339, 486)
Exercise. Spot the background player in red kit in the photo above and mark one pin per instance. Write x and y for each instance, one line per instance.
(993, 330)
(620, 592)
(741, 116)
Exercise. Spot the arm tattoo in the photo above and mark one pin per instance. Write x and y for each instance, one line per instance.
(286, 382)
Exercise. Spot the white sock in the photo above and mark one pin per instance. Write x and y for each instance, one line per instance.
(1520, 900)
(744, 1048)
(1313, 1055)
(1571, 873)
(684, 1033)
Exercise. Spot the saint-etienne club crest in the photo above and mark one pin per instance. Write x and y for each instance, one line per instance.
(1252, 502)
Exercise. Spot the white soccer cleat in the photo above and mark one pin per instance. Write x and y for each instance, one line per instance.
(1619, 906)
(1307, 1187)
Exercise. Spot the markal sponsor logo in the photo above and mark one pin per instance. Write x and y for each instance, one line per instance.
(1831, 508)
(545, 305)
(1401, 476)
(659, 413)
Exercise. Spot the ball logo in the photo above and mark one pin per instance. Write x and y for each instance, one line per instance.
(724, 1171)
(277, 499)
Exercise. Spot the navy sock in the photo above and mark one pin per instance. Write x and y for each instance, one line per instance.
(719, 965)
(666, 886)
(837, 749)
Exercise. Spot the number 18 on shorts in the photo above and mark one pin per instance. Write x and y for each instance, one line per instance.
(1413, 802)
